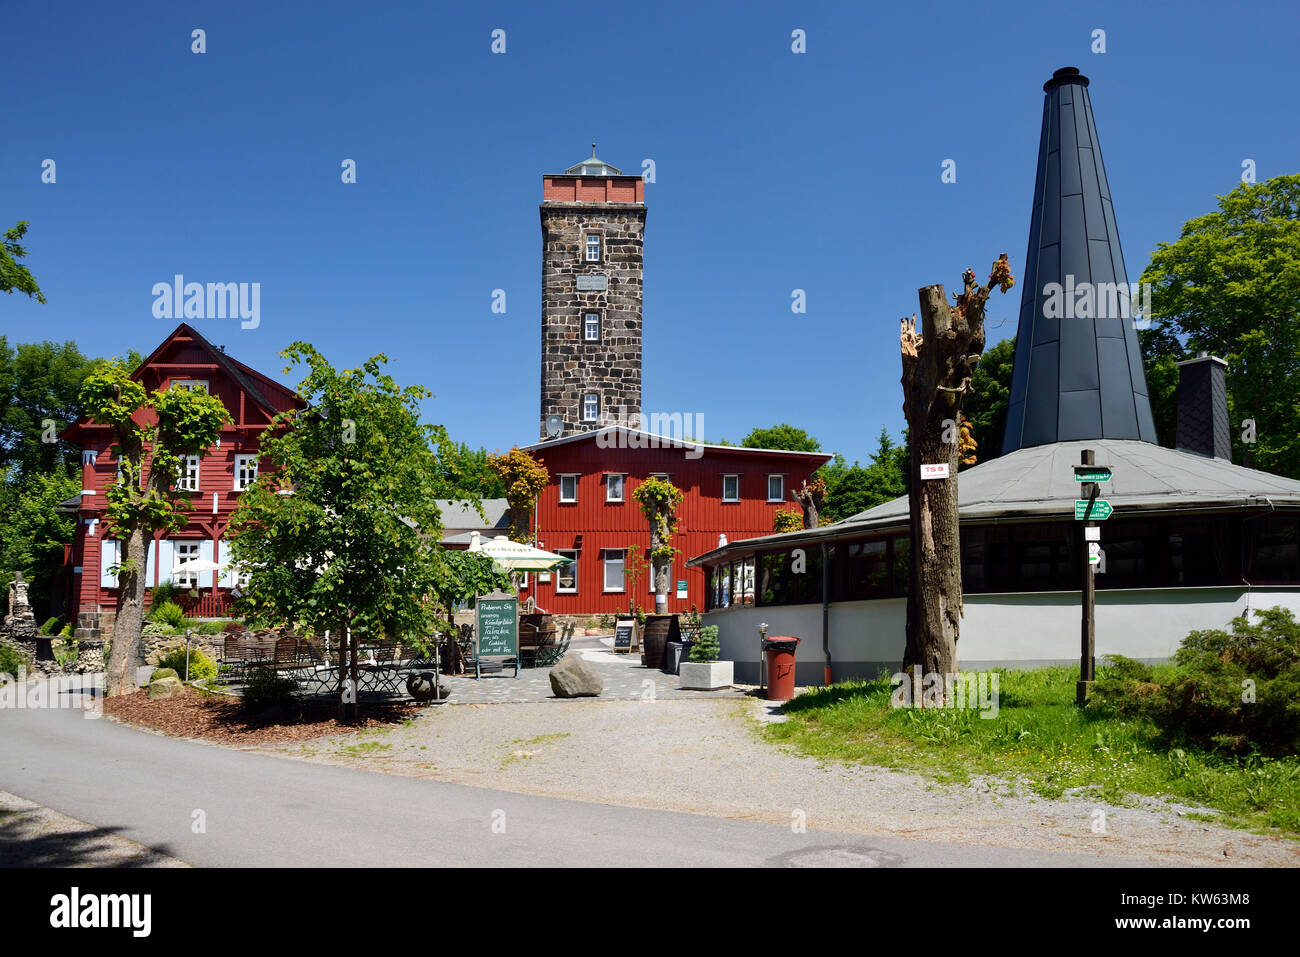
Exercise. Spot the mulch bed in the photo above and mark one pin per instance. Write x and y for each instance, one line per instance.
(219, 718)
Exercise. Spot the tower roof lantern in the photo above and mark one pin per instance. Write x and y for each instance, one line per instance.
(593, 166)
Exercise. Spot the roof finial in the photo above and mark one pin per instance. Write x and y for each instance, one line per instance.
(593, 147)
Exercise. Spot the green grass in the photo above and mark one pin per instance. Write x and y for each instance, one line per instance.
(1041, 740)
(364, 748)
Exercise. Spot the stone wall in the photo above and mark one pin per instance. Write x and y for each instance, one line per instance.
(571, 365)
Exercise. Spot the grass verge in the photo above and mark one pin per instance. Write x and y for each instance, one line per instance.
(1040, 739)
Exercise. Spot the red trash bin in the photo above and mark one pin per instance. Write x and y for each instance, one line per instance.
(779, 650)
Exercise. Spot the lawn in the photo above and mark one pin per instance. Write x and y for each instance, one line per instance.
(1040, 740)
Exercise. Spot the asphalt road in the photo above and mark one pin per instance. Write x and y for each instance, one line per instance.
(258, 811)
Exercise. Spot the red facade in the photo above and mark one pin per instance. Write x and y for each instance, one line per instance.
(597, 529)
(252, 400)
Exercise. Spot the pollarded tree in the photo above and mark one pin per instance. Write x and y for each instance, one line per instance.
(340, 531)
(938, 366)
(659, 499)
(524, 479)
(164, 427)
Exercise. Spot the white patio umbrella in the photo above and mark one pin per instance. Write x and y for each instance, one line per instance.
(196, 565)
(515, 556)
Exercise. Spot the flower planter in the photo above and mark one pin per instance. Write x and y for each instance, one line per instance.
(706, 675)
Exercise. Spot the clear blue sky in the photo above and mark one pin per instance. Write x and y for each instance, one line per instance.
(775, 171)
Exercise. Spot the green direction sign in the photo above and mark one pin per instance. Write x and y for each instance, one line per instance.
(1091, 473)
(498, 627)
(1100, 510)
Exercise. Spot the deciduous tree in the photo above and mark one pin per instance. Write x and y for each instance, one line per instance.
(340, 531)
(161, 426)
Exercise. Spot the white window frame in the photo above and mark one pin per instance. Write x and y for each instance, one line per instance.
(605, 565)
(245, 463)
(781, 477)
(587, 247)
(661, 476)
(192, 384)
(595, 417)
(730, 475)
(182, 552)
(190, 465)
(609, 486)
(587, 326)
(569, 475)
(560, 589)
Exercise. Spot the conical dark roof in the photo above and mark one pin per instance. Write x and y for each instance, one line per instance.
(1078, 371)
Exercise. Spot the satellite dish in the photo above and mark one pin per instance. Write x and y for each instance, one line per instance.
(554, 425)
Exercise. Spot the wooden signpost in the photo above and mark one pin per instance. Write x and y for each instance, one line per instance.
(1089, 509)
(625, 637)
(496, 629)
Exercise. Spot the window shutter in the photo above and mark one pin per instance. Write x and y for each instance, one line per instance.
(108, 554)
(227, 580)
(205, 552)
(149, 564)
(166, 560)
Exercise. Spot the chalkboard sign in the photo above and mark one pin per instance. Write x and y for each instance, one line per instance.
(496, 628)
(624, 635)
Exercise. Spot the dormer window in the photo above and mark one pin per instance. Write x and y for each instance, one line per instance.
(191, 384)
(593, 247)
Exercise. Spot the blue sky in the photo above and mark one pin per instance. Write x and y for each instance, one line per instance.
(775, 171)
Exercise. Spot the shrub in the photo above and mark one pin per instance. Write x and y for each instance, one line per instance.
(162, 593)
(168, 613)
(67, 631)
(1234, 691)
(201, 666)
(50, 627)
(11, 659)
(160, 673)
(707, 648)
(266, 688)
(211, 627)
(605, 622)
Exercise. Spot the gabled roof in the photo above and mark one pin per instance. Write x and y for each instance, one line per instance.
(669, 442)
(1038, 482)
(250, 380)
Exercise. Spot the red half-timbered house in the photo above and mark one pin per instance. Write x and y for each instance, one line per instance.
(587, 513)
(185, 359)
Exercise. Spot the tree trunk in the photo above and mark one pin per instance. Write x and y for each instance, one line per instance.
(661, 571)
(129, 622)
(937, 370)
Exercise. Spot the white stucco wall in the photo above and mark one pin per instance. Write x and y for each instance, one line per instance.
(1024, 630)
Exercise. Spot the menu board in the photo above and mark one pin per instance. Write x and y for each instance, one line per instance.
(497, 626)
(624, 633)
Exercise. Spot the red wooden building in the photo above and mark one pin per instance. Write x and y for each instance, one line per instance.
(184, 360)
(587, 513)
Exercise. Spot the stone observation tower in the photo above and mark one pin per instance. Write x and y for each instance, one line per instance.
(1078, 371)
(593, 224)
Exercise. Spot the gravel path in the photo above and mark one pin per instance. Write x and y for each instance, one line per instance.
(707, 757)
(35, 836)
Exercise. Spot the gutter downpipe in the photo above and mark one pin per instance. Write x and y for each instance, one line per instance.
(826, 613)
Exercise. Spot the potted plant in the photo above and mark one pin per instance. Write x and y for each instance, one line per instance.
(704, 672)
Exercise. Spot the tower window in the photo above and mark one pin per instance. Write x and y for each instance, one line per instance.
(590, 407)
(593, 247)
(591, 327)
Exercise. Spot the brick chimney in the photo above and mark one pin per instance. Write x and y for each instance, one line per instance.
(1203, 408)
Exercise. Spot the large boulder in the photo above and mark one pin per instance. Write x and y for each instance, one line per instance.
(574, 678)
(165, 688)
